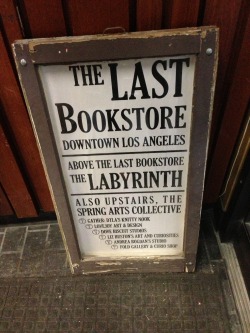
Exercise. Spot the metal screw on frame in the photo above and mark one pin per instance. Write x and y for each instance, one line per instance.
(23, 62)
(209, 51)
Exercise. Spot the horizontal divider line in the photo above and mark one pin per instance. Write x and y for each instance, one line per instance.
(128, 153)
(112, 193)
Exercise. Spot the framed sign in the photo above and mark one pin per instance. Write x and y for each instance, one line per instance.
(122, 124)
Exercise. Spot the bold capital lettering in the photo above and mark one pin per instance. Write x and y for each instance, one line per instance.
(100, 125)
(111, 120)
(97, 74)
(87, 121)
(66, 119)
(142, 83)
(114, 84)
(178, 76)
(152, 118)
(160, 79)
(87, 74)
(138, 117)
(75, 68)
(179, 116)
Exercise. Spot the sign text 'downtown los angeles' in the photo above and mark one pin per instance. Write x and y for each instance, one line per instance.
(122, 131)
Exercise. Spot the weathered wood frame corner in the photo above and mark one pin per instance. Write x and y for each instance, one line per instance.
(202, 42)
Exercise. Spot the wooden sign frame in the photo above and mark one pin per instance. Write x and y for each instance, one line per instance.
(201, 42)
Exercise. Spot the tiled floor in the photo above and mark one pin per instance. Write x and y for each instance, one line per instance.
(38, 294)
(32, 250)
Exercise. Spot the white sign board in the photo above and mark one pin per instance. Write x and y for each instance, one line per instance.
(122, 125)
(122, 130)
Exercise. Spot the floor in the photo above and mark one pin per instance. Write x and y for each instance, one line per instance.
(38, 294)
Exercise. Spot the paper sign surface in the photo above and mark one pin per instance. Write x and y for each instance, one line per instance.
(122, 131)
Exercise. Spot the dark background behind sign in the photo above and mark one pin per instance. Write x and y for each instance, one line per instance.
(23, 189)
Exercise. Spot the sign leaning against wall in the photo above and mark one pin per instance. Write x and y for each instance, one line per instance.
(122, 124)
